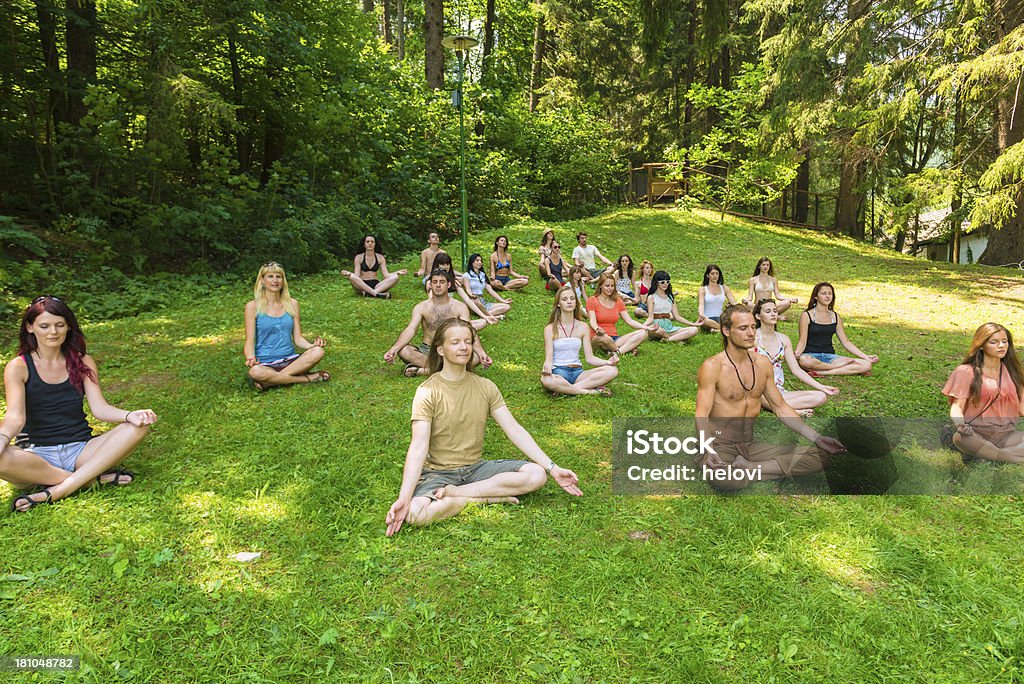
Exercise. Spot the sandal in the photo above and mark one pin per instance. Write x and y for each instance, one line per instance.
(121, 477)
(259, 387)
(382, 295)
(603, 391)
(814, 374)
(318, 376)
(32, 503)
(411, 370)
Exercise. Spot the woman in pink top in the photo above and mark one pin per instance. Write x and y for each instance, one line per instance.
(605, 309)
(985, 398)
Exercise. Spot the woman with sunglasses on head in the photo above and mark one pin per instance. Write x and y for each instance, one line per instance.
(502, 275)
(605, 309)
(764, 285)
(565, 336)
(273, 335)
(777, 347)
(661, 304)
(370, 275)
(818, 324)
(45, 384)
(553, 268)
(712, 297)
(986, 398)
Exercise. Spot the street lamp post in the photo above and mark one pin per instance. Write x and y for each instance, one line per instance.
(460, 44)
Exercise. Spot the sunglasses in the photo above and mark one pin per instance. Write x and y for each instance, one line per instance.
(45, 297)
(557, 247)
(271, 263)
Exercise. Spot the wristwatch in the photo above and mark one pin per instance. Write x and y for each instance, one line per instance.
(550, 466)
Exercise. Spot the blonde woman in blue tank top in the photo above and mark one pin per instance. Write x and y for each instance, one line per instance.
(273, 335)
(565, 335)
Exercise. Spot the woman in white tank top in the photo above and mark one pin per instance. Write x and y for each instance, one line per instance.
(712, 297)
(565, 335)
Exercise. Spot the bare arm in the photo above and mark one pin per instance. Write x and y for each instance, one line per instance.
(801, 343)
(423, 264)
(700, 301)
(300, 341)
(406, 335)
(518, 435)
(729, 297)
(603, 258)
(357, 268)
(790, 417)
(103, 410)
(850, 346)
(249, 348)
(592, 315)
(632, 322)
(749, 299)
(549, 350)
(707, 382)
(493, 263)
(592, 358)
(676, 315)
(414, 459)
(15, 377)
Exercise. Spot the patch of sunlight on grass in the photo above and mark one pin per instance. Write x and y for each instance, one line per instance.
(206, 340)
(846, 560)
(584, 428)
(263, 508)
(515, 367)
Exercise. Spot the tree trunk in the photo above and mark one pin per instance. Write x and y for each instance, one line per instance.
(489, 22)
(389, 36)
(803, 188)
(273, 145)
(243, 139)
(400, 27)
(1006, 245)
(433, 25)
(81, 71)
(901, 240)
(848, 204)
(56, 102)
(539, 34)
(367, 6)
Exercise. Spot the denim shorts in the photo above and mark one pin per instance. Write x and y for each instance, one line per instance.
(570, 373)
(823, 357)
(503, 279)
(63, 456)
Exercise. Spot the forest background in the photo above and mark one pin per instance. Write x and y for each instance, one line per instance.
(144, 140)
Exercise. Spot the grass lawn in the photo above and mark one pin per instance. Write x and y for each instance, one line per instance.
(140, 580)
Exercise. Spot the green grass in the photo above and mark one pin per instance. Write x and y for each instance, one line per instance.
(139, 581)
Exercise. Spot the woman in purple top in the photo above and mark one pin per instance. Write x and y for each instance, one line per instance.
(45, 384)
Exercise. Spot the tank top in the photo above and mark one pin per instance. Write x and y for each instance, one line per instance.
(713, 304)
(274, 336)
(556, 270)
(623, 285)
(819, 336)
(776, 359)
(477, 282)
(659, 305)
(53, 412)
(566, 351)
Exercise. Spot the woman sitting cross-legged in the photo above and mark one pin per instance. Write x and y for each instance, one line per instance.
(476, 280)
(986, 398)
(661, 304)
(776, 347)
(605, 309)
(273, 333)
(712, 297)
(372, 279)
(45, 384)
(443, 469)
(818, 323)
(564, 335)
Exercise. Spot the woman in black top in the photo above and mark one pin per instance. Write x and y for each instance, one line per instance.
(367, 266)
(45, 384)
(818, 323)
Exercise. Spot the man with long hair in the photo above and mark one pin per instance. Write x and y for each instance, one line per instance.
(730, 386)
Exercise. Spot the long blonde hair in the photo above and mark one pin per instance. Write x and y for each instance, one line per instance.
(556, 311)
(435, 362)
(259, 291)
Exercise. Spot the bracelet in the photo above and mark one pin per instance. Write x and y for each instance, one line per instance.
(126, 416)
